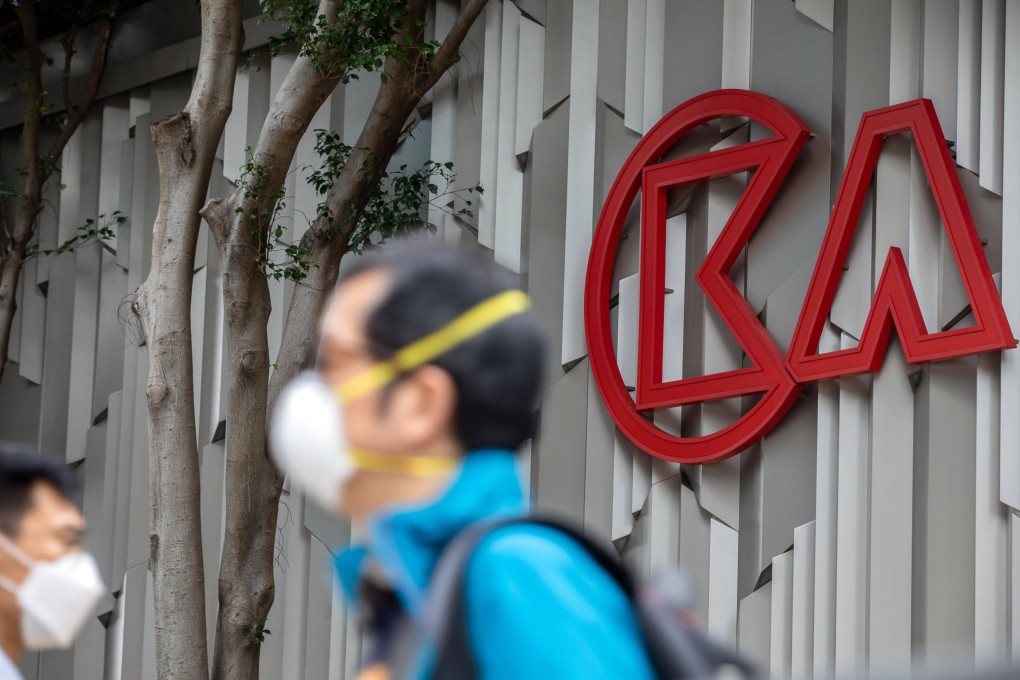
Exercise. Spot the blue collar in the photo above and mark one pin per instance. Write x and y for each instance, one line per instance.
(406, 541)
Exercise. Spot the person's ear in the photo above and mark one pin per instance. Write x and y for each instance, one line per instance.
(424, 406)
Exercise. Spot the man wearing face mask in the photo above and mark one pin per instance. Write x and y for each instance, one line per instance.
(427, 381)
(48, 586)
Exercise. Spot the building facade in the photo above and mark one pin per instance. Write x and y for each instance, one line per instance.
(875, 527)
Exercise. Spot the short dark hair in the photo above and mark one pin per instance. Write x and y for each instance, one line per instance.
(21, 467)
(498, 373)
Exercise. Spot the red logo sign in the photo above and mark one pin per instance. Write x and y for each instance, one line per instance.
(771, 375)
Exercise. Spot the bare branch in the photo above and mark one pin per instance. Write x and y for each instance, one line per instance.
(449, 52)
(69, 43)
(76, 114)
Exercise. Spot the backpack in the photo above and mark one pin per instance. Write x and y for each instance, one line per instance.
(675, 647)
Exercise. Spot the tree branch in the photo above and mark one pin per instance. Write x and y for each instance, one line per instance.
(76, 114)
(449, 52)
(68, 42)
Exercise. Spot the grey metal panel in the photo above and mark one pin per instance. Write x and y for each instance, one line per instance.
(138, 523)
(819, 11)
(892, 469)
(1009, 464)
(558, 37)
(470, 81)
(968, 77)
(781, 639)
(993, 46)
(509, 184)
(57, 367)
(536, 9)
(653, 76)
(107, 528)
(940, 69)
(664, 525)
(826, 491)
(802, 627)
(110, 337)
(133, 595)
(722, 582)
(852, 521)
(754, 633)
(736, 44)
(581, 163)
(296, 553)
(792, 229)
(613, 47)
(326, 526)
(853, 297)
(545, 228)
(319, 613)
(945, 484)
(788, 477)
(125, 461)
(86, 293)
(49, 219)
(695, 37)
(634, 70)
(600, 443)
(33, 324)
(489, 139)
(125, 200)
(272, 651)
(558, 456)
(93, 476)
(140, 241)
(19, 407)
(991, 522)
(212, 511)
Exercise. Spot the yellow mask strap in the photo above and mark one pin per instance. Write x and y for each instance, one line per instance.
(474, 321)
(415, 466)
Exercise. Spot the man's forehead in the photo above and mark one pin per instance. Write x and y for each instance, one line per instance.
(349, 305)
(49, 505)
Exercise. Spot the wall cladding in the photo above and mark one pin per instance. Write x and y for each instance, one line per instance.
(879, 519)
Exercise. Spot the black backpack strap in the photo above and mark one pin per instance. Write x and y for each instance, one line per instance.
(447, 610)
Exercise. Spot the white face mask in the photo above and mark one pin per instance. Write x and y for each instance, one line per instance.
(308, 442)
(55, 598)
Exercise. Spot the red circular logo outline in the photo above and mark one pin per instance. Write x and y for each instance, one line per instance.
(771, 158)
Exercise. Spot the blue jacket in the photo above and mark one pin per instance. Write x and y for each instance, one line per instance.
(538, 605)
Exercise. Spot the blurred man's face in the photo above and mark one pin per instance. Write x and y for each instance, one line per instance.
(413, 416)
(51, 528)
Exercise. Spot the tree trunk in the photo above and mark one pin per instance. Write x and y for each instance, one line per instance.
(185, 146)
(36, 173)
(253, 484)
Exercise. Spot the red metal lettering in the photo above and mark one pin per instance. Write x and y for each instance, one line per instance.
(777, 381)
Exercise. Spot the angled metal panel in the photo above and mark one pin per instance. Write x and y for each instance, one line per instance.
(991, 522)
(892, 515)
(489, 145)
(581, 135)
(558, 456)
(781, 639)
(968, 90)
(993, 48)
(802, 625)
(558, 45)
(826, 494)
(613, 53)
(754, 639)
(634, 80)
(852, 521)
(1009, 479)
